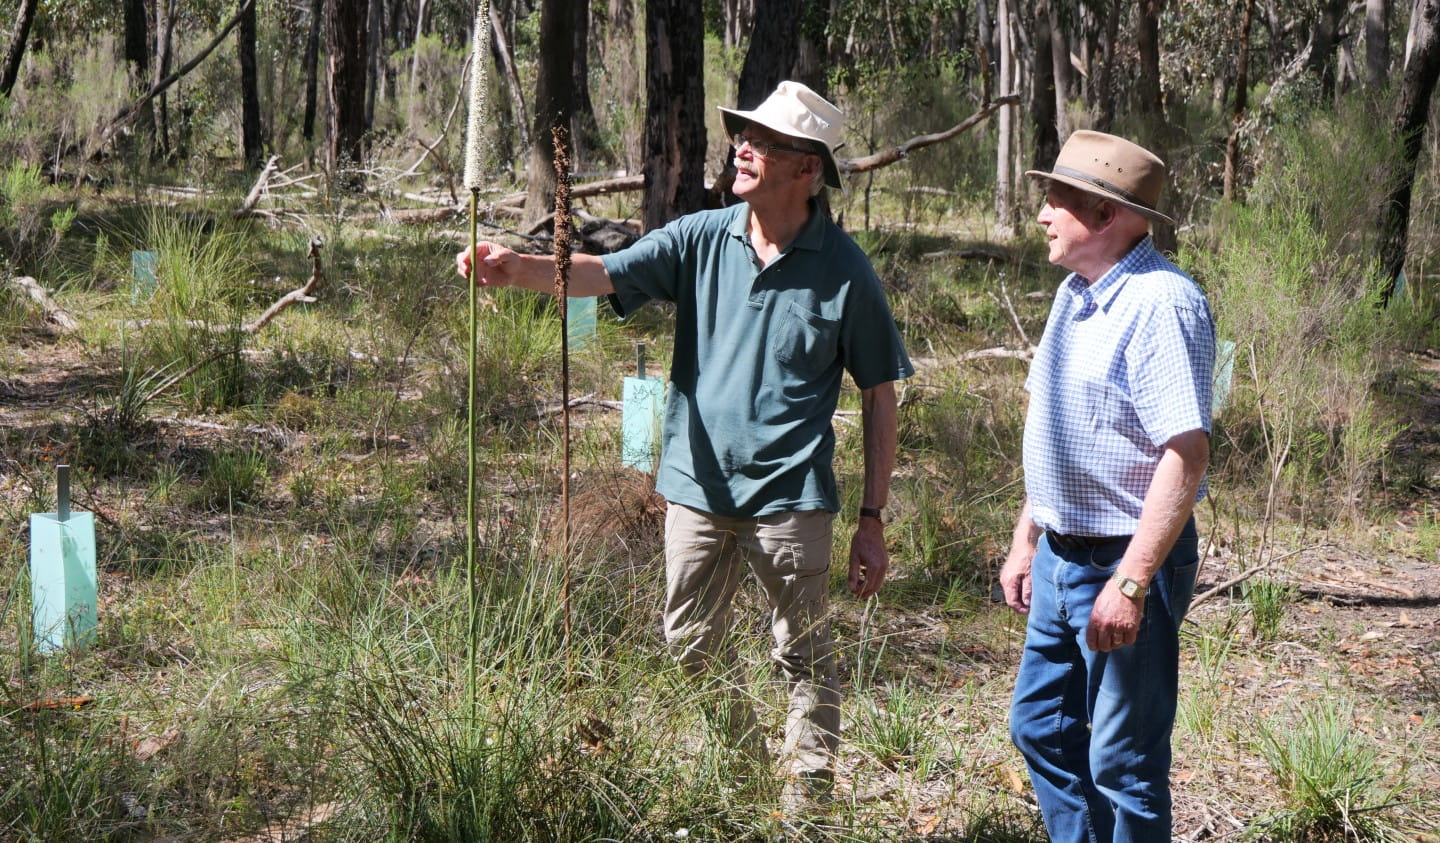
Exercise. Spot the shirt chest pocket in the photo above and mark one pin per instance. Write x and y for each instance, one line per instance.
(805, 342)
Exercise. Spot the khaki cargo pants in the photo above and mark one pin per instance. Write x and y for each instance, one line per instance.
(789, 553)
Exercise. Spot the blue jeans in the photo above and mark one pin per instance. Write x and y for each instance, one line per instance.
(1095, 727)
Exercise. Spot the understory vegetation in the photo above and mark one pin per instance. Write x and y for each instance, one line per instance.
(283, 642)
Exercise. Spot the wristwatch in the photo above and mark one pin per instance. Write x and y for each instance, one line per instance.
(872, 512)
(1128, 587)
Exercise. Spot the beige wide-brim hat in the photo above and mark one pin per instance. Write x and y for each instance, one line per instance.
(1123, 172)
(795, 110)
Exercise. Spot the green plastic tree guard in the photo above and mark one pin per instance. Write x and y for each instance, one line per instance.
(581, 327)
(1224, 375)
(640, 417)
(143, 280)
(64, 609)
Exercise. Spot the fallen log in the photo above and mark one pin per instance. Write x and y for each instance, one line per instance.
(54, 313)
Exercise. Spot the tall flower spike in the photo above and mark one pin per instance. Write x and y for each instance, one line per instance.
(479, 96)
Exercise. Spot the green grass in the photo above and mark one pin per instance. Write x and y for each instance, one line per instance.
(1335, 781)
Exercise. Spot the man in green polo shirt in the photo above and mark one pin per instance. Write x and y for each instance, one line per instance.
(773, 301)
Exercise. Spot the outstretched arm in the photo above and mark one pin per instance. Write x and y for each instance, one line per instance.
(502, 267)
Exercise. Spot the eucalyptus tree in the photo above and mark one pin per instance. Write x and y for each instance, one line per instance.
(1417, 88)
(674, 145)
(346, 48)
(251, 142)
(13, 56)
(554, 104)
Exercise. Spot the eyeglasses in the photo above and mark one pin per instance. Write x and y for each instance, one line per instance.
(763, 149)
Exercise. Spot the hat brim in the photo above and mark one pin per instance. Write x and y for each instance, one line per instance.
(1079, 184)
(736, 121)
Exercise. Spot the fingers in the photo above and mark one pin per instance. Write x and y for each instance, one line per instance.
(490, 256)
(867, 573)
(1017, 594)
(1105, 639)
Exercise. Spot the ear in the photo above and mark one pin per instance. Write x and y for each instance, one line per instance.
(810, 164)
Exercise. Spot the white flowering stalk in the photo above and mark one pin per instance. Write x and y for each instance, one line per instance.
(479, 109)
(479, 96)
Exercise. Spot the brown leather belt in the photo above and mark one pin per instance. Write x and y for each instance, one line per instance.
(1082, 542)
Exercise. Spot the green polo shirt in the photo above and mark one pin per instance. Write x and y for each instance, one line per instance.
(758, 357)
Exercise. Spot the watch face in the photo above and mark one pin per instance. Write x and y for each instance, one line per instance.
(1129, 588)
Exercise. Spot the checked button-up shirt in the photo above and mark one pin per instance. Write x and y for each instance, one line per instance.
(1124, 366)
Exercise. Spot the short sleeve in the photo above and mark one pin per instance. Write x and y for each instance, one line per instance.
(649, 269)
(871, 348)
(1170, 371)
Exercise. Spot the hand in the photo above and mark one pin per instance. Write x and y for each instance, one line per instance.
(1015, 577)
(497, 266)
(869, 560)
(1114, 620)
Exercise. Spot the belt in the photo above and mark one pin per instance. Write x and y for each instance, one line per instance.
(1082, 542)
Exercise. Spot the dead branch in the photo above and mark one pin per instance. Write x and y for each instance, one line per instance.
(998, 352)
(1245, 575)
(54, 313)
(1014, 318)
(886, 157)
(300, 294)
(253, 197)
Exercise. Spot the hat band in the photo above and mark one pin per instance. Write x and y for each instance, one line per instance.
(1103, 185)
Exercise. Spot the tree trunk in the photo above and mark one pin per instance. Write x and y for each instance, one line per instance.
(1377, 42)
(16, 53)
(1147, 43)
(554, 105)
(625, 66)
(251, 141)
(164, 42)
(1104, 89)
(137, 39)
(1044, 122)
(500, 31)
(1416, 88)
(312, 61)
(774, 47)
(1062, 73)
(583, 131)
(1324, 42)
(1004, 200)
(1242, 88)
(811, 60)
(375, 38)
(346, 51)
(674, 162)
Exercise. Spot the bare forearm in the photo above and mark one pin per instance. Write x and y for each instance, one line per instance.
(1027, 533)
(878, 413)
(1168, 504)
(587, 275)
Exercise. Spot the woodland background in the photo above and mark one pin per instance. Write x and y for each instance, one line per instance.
(269, 421)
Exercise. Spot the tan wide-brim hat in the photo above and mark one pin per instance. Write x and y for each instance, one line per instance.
(1123, 172)
(795, 110)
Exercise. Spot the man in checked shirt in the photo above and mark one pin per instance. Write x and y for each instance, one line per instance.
(1104, 556)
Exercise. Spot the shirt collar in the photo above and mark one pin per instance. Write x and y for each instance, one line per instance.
(1108, 286)
(811, 237)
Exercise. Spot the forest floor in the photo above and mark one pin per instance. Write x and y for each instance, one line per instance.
(1360, 622)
